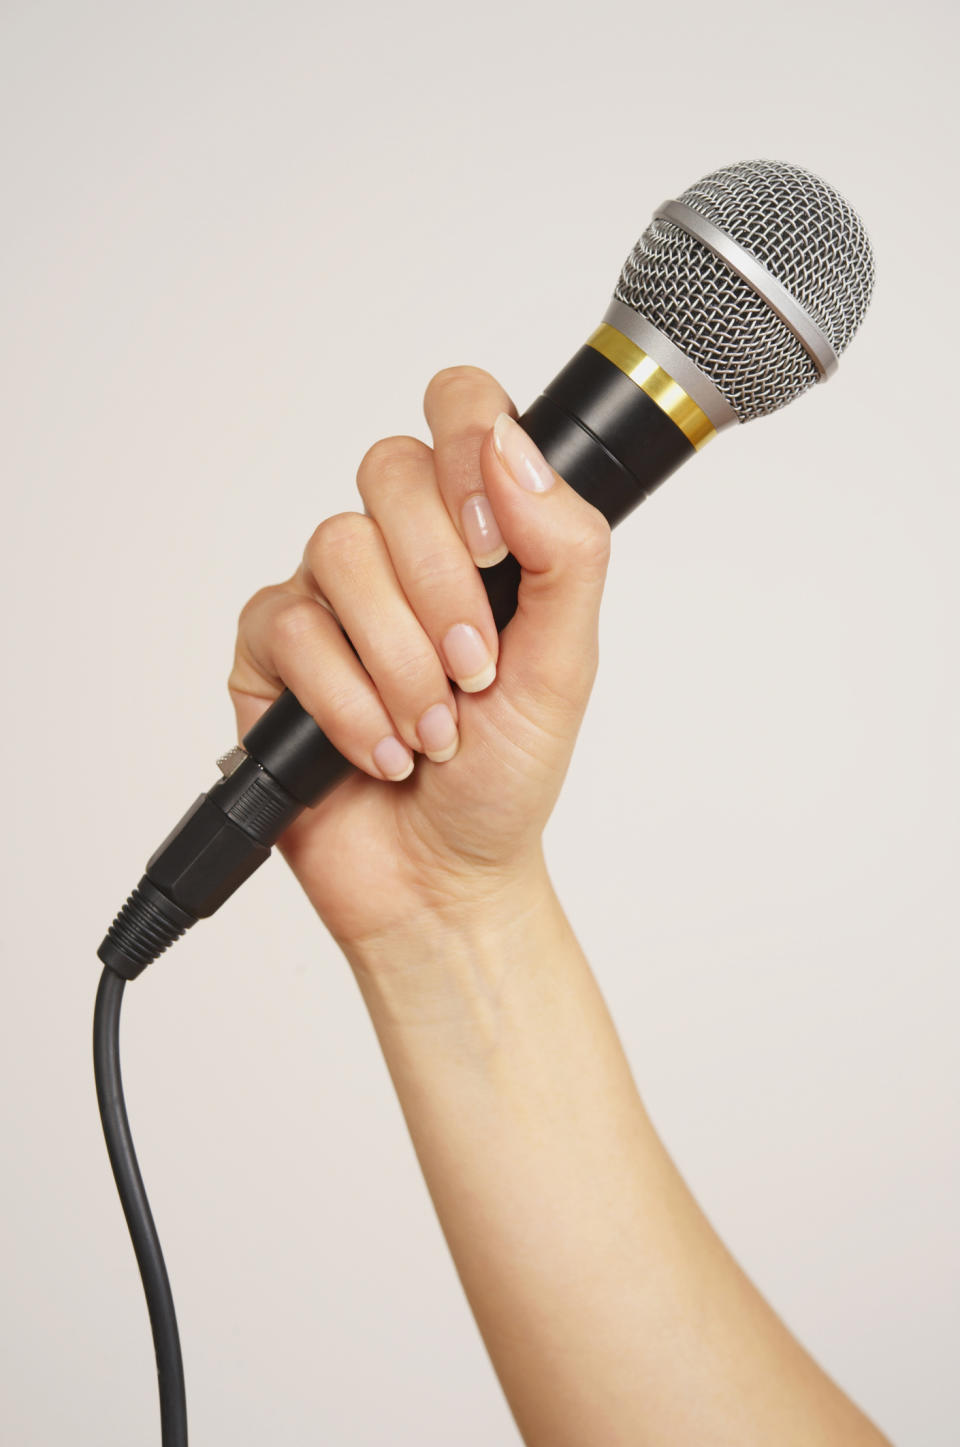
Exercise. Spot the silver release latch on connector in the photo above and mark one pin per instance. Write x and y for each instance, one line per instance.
(230, 762)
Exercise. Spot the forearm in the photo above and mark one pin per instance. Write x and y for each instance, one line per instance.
(611, 1311)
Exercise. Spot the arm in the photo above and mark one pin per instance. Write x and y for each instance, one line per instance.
(611, 1311)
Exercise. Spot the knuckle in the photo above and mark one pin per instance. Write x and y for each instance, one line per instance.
(409, 669)
(344, 536)
(463, 455)
(592, 543)
(261, 600)
(387, 460)
(294, 618)
(340, 712)
(455, 380)
(436, 572)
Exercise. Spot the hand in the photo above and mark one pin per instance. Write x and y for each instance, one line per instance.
(412, 835)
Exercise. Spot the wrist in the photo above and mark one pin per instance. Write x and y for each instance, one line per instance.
(451, 955)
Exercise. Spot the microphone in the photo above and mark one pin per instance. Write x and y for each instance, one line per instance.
(737, 298)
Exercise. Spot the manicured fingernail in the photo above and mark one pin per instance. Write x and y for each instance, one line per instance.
(521, 457)
(468, 658)
(438, 733)
(481, 532)
(392, 759)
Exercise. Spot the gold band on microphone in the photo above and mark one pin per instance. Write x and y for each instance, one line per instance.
(659, 386)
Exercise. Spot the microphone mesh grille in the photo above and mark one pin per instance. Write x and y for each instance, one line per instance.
(803, 232)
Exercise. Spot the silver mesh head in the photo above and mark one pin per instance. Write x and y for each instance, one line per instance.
(802, 231)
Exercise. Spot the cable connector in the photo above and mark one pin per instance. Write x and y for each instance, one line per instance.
(223, 837)
(147, 925)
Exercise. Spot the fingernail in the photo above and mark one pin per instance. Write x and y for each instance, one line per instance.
(468, 658)
(438, 733)
(481, 532)
(392, 759)
(521, 457)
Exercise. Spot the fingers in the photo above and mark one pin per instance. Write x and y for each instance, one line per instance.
(395, 610)
(434, 571)
(460, 405)
(562, 543)
(289, 639)
(348, 562)
(388, 607)
(560, 540)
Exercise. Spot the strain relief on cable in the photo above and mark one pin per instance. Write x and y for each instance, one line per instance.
(147, 925)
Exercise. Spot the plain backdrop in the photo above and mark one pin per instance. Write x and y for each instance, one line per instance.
(237, 241)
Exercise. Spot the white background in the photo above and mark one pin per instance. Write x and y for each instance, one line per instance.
(237, 241)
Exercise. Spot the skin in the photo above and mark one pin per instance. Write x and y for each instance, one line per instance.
(611, 1311)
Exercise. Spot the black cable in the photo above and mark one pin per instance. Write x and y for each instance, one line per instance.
(136, 1208)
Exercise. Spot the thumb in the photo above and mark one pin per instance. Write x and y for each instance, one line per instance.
(562, 543)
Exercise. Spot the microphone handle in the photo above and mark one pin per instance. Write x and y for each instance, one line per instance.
(605, 436)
